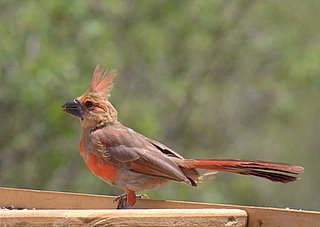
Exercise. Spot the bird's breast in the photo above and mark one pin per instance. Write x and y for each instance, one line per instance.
(101, 166)
(80, 147)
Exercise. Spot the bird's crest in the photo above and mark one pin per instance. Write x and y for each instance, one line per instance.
(102, 81)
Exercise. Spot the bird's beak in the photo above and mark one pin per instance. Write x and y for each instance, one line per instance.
(73, 108)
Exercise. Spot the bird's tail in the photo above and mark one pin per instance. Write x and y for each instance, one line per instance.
(277, 172)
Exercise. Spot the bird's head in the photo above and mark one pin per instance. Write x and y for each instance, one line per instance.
(93, 108)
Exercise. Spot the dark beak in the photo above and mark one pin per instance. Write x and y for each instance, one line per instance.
(73, 108)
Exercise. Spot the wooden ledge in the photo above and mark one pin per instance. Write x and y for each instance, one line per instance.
(46, 200)
(137, 217)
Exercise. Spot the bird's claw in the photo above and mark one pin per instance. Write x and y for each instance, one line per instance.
(122, 200)
(142, 195)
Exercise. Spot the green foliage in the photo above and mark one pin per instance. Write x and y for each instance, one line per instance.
(211, 79)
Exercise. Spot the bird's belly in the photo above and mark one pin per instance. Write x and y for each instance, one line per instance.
(101, 167)
(137, 181)
(121, 177)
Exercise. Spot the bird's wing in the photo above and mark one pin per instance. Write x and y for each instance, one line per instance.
(164, 149)
(139, 153)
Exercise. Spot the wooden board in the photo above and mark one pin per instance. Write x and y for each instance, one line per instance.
(146, 217)
(257, 216)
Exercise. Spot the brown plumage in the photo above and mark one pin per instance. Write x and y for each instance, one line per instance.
(126, 159)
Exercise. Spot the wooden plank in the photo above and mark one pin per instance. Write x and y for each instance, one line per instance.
(257, 216)
(29, 199)
(152, 217)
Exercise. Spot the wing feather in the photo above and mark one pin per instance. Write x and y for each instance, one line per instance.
(144, 155)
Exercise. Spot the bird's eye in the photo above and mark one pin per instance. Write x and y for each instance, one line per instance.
(88, 104)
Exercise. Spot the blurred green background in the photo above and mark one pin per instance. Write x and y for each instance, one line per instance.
(210, 79)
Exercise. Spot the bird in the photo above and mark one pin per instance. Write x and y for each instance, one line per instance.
(124, 158)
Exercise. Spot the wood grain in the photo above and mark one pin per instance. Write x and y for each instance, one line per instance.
(257, 216)
(151, 217)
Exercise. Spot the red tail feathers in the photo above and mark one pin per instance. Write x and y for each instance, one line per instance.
(273, 171)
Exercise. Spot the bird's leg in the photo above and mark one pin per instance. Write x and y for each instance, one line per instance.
(128, 200)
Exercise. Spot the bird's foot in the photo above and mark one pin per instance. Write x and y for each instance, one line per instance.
(142, 195)
(123, 200)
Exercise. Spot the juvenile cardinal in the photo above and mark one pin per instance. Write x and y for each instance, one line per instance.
(126, 159)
